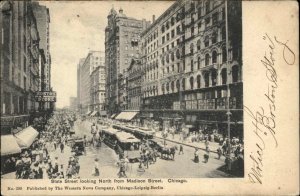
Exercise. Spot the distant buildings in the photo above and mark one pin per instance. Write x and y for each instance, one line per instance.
(90, 82)
(122, 36)
(73, 103)
(21, 58)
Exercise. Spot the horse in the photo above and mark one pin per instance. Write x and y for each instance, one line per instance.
(168, 152)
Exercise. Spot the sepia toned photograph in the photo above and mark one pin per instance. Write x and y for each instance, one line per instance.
(97, 89)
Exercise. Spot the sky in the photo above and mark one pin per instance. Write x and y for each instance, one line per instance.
(77, 27)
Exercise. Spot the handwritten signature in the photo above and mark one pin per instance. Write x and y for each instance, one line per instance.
(264, 119)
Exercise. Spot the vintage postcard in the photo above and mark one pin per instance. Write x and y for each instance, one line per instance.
(186, 97)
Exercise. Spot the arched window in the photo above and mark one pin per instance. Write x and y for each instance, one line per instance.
(224, 76)
(172, 86)
(235, 73)
(178, 54)
(206, 79)
(183, 84)
(214, 56)
(178, 85)
(192, 48)
(198, 81)
(213, 77)
(198, 63)
(192, 65)
(192, 82)
(198, 44)
(163, 89)
(207, 59)
(224, 55)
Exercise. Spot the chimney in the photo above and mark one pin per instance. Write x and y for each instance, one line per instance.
(153, 18)
(121, 11)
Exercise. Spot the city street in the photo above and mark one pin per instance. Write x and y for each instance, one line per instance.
(182, 166)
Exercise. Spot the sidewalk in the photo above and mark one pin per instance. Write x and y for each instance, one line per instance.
(212, 145)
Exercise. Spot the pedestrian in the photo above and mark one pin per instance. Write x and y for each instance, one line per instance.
(97, 173)
(196, 155)
(219, 151)
(122, 169)
(55, 145)
(62, 146)
(126, 163)
(206, 155)
(180, 149)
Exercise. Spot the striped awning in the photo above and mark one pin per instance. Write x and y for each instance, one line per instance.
(126, 116)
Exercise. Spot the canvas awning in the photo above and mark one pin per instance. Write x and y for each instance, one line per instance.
(9, 145)
(126, 116)
(94, 113)
(26, 137)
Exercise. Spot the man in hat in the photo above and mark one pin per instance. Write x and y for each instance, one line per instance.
(97, 173)
(62, 146)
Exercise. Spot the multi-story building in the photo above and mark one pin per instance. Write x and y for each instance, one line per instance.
(73, 103)
(134, 84)
(79, 101)
(97, 87)
(43, 20)
(188, 70)
(85, 68)
(19, 63)
(122, 35)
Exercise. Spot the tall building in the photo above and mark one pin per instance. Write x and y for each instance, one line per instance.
(122, 35)
(43, 19)
(134, 84)
(19, 63)
(84, 71)
(187, 69)
(97, 86)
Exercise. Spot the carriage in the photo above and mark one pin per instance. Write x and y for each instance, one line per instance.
(77, 146)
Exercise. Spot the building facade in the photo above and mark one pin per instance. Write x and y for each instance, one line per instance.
(85, 69)
(188, 69)
(134, 84)
(97, 86)
(122, 36)
(19, 64)
(73, 103)
(43, 22)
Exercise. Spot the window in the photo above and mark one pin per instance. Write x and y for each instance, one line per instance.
(167, 25)
(206, 41)
(206, 79)
(214, 56)
(215, 18)
(192, 31)
(224, 55)
(163, 50)
(207, 7)
(172, 33)
(172, 56)
(214, 77)
(178, 41)
(168, 70)
(178, 54)
(163, 88)
(183, 84)
(167, 87)
(223, 32)
(224, 76)
(163, 29)
(163, 39)
(172, 44)
(178, 30)
(168, 36)
(172, 86)
(192, 82)
(198, 62)
(198, 81)
(199, 12)
(178, 67)
(192, 6)
(192, 65)
(207, 59)
(235, 73)
(192, 48)
(167, 58)
(207, 21)
(199, 27)
(178, 85)
(172, 21)
(214, 38)
(198, 45)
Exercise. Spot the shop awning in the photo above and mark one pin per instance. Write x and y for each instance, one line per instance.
(126, 115)
(26, 137)
(94, 113)
(102, 113)
(9, 145)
